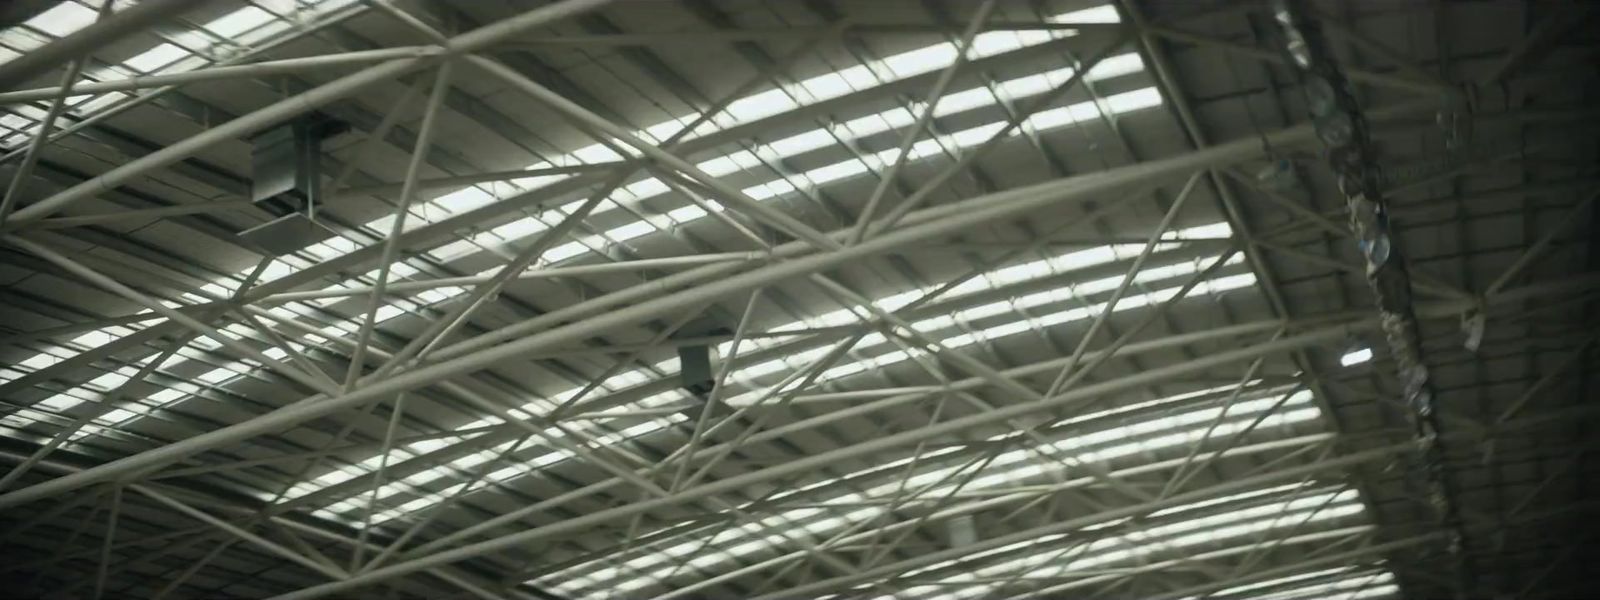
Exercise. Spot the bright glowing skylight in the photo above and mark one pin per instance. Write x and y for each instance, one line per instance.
(1356, 357)
(63, 19)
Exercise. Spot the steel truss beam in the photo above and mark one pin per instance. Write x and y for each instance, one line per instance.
(188, 501)
(940, 221)
(104, 31)
(245, 125)
(1075, 524)
(793, 260)
(812, 462)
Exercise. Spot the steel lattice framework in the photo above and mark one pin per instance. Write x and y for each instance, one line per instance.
(1006, 298)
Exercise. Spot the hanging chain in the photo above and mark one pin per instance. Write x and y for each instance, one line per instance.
(1339, 124)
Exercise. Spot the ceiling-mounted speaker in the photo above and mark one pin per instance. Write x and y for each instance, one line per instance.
(286, 181)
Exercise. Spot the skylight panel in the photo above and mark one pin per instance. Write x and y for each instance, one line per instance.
(1148, 97)
(923, 60)
(1104, 13)
(838, 83)
(1218, 230)
(23, 40)
(1355, 357)
(463, 200)
(1114, 66)
(63, 19)
(835, 172)
(240, 21)
(764, 104)
(18, 122)
(155, 58)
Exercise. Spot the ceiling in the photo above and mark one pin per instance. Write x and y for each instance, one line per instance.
(1002, 298)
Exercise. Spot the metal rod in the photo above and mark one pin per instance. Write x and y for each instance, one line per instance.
(944, 220)
(1539, 247)
(61, 550)
(717, 389)
(1573, 359)
(105, 547)
(58, 104)
(321, 22)
(1075, 524)
(999, 498)
(225, 72)
(1331, 537)
(969, 158)
(113, 286)
(485, 177)
(435, 510)
(278, 341)
(242, 126)
(855, 412)
(299, 544)
(643, 264)
(1179, 475)
(911, 134)
(1397, 82)
(1127, 281)
(979, 369)
(391, 246)
(441, 329)
(263, 543)
(256, 515)
(110, 402)
(193, 568)
(234, 129)
(1342, 558)
(738, 199)
(756, 34)
(214, 206)
(1405, 64)
(860, 449)
(375, 138)
(564, 409)
(103, 32)
(1534, 44)
(377, 482)
(1328, 224)
(47, 515)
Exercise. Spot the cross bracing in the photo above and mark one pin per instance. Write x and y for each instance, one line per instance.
(1006, 298)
